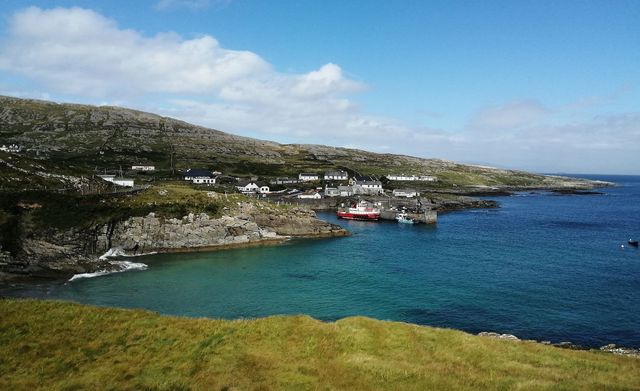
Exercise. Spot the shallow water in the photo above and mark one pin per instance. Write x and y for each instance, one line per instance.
(545, 267)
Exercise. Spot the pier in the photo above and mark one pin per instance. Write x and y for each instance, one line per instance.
(426, 217)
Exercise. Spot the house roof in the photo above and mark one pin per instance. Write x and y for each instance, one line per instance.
(335, 173)
(365, 178)
(198, 172)
(248, 182)
(308, 174)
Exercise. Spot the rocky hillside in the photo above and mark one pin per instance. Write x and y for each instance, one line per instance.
(84, 139)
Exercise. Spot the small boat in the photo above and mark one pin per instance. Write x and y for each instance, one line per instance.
(404, 218)
(361, 211)
(633, 243)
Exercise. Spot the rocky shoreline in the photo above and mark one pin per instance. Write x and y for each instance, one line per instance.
(63, 253)
(609, 348)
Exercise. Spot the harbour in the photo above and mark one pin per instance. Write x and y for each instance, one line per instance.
(529, 268)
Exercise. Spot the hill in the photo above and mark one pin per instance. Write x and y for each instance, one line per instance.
(85, 139)
(56, 345)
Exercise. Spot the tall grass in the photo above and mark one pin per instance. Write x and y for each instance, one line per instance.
(61, 346)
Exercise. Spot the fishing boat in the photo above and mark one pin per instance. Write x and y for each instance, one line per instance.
(633, 243)
(360, 211)
(404, 218)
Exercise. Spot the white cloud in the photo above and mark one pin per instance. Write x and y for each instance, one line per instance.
(78, 51)
(82, 53)
(510, 115)
(601, 144)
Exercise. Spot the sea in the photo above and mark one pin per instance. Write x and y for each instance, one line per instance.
(543, 266)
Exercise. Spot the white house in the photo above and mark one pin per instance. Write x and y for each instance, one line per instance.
(345, 191)
(310, 196)
(368, 187)
(13, 148)
(251, 187)
(307, 177)
(204, 181)
(118, 181)
(336, 175)
(143, 168)
(248, 187)
(194, 173)
(284, 181)
(124, 182)
(409, 193)
(331, 192)
(403, 177)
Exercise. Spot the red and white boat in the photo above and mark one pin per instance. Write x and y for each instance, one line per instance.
(361, 211)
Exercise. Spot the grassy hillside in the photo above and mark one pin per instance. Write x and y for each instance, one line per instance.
(63, 346)
(87, 139)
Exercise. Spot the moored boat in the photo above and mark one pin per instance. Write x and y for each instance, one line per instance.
(404, 218)
(360, 211)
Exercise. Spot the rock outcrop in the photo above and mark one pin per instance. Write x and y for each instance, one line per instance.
(65, 252)
(151, 233)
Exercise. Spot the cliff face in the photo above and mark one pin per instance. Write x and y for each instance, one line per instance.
(59, 252)
(150, 233)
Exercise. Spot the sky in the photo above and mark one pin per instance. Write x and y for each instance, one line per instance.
(544, 86)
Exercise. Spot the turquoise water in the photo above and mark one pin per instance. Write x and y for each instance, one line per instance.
(543, 266)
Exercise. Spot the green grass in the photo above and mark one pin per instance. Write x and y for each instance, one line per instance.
(62, 346)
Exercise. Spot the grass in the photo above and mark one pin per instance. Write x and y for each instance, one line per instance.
(63, 346)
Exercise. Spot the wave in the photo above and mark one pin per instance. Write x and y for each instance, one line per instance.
(116, 267)
(119, 252)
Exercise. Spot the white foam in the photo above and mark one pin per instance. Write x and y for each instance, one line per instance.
(113, 252)
(119, 252)
(120, 266)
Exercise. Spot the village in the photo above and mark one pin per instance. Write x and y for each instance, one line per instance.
(355, 196)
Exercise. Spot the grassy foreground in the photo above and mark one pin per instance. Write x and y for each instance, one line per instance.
(56, 345)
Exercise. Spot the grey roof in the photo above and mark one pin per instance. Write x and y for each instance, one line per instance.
(198, 172)
(365, 178)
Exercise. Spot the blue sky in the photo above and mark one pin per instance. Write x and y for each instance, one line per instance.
(545, 86)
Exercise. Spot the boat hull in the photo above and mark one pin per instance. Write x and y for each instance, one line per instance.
(358, 216)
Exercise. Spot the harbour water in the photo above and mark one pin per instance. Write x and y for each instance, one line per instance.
(543, 266)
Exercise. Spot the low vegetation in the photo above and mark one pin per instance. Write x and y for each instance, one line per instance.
(62, 346)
